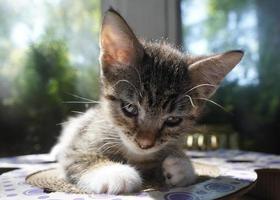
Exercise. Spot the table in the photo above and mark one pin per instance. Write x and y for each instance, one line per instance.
(234, 164)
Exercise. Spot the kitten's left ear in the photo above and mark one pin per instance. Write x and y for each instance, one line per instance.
(212, 70)
(119, 45)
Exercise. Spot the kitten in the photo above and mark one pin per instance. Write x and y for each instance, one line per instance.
(151, 95)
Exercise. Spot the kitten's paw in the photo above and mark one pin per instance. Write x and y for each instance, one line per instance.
(111, 179)
(178, 171)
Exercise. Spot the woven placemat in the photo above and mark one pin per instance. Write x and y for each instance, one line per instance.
(51, 180)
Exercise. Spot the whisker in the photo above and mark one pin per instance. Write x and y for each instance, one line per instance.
(110, 146)
(109, 141)
(129, 104)
(200, 85)
(99, 127)
(82, 102)
(140, 80)
(117, 150)
(191, 101)
(80, 97)
(213, 102)
(115, 138)
(78, 112)
(177, 101)
(126, 81)
(62, 123)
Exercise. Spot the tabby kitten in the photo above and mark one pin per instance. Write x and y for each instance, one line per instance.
(151, 95)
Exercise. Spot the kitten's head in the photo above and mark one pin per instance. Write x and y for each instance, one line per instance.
(152, 91)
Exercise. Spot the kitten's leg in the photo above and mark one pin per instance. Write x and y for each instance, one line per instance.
(178, 170)
(99, 175)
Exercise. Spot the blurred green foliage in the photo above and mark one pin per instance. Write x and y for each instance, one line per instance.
(49, 56)
(50, 51)
(40, 90)
(47, 74)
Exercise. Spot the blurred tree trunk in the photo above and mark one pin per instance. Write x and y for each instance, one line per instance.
(268, 15)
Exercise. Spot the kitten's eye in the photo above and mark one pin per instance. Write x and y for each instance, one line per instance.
(173, 121)
(129, 109)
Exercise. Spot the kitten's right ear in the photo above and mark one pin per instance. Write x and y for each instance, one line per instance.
(119, 46)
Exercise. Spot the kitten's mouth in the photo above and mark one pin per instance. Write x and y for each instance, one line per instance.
(136, 148)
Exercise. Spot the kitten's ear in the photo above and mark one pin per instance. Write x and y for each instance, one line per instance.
(119, 45)
(212, 70)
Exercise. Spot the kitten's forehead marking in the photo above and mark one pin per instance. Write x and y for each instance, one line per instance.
(142, 112)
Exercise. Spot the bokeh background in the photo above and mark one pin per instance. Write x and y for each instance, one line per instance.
(250, 94)
(49, 57)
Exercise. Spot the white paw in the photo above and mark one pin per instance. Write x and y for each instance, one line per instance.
(111, 179)
(178, 171)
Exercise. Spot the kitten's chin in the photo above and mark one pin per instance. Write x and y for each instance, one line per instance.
(132, 147)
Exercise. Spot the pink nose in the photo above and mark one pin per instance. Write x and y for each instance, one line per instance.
(145, 143)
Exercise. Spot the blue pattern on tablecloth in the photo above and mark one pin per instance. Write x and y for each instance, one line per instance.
(236, 175)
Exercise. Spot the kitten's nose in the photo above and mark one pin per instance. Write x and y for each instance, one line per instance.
(145, 143)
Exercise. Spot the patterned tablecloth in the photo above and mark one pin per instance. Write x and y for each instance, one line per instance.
(237, 171)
